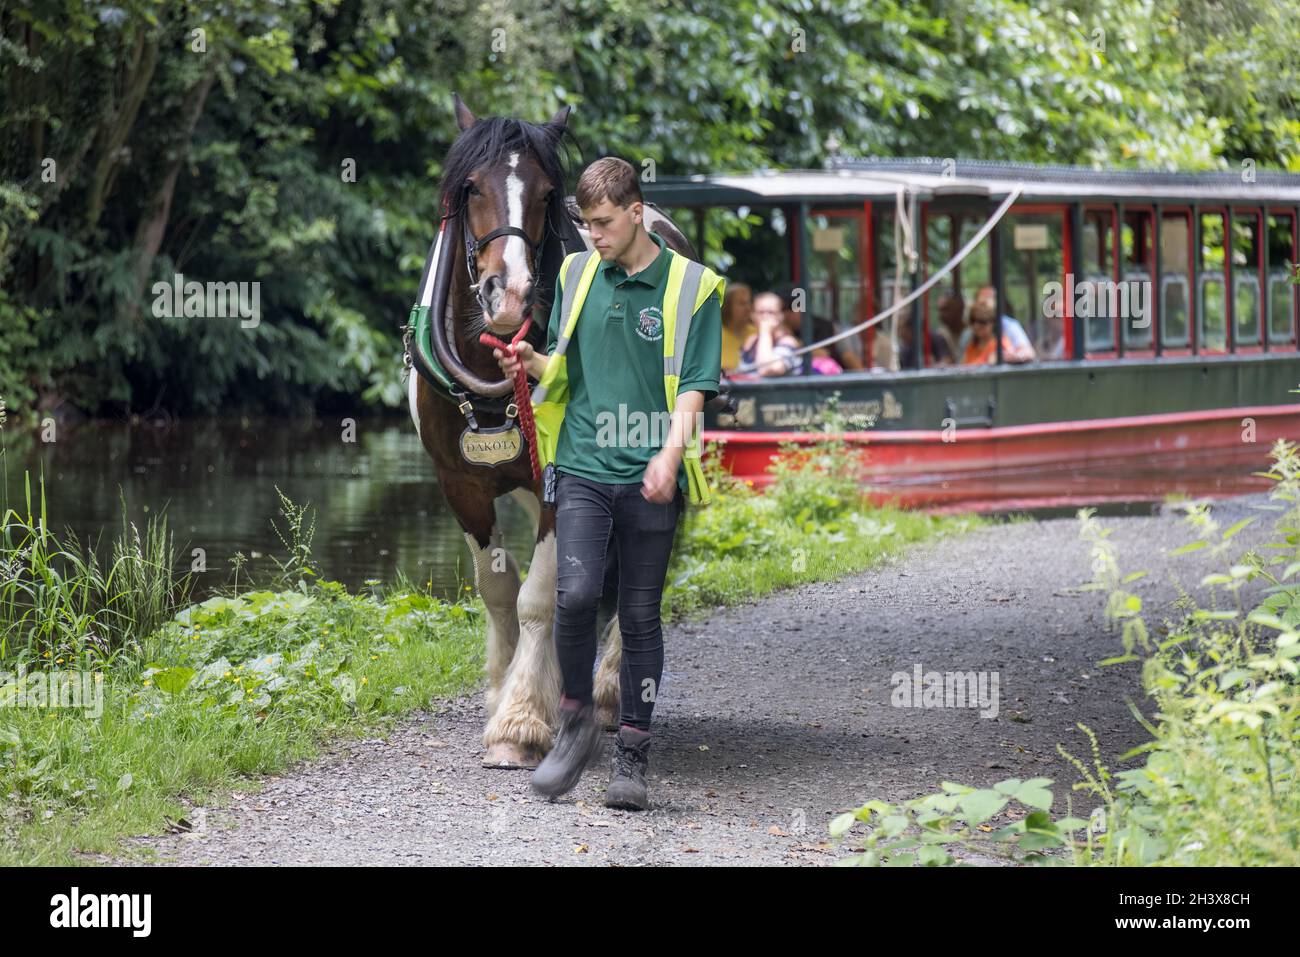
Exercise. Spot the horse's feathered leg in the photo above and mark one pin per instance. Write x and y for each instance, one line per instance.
(496, 576)
(520, 732)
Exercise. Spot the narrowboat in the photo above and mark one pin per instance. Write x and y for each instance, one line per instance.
(1162, 309)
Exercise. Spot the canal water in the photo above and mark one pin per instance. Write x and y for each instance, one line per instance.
(373, 494)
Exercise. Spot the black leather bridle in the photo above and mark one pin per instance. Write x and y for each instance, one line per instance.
(474, 245)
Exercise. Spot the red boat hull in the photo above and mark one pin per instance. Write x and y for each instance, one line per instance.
(1134, 458)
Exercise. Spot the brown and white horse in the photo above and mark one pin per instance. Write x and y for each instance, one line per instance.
(503, 194)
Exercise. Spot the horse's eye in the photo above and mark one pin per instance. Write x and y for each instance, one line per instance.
(473, 187)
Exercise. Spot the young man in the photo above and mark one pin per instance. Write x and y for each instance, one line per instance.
(634, 351)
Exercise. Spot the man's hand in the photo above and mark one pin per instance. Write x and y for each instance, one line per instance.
(660, 480)
(659, 483)
(523, 353)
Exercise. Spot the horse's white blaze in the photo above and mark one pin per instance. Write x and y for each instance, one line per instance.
(516, 253)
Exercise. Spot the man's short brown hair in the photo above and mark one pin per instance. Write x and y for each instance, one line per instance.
(608, 178)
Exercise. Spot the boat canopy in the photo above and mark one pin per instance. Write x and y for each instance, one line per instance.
(930, 178)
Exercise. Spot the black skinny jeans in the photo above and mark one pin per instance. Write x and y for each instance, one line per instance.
(590, 519)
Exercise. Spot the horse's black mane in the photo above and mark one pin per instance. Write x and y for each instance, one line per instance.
(488, 141)
(494, 137)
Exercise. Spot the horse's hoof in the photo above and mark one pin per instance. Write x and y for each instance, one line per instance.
(608, 718)
(511, 757)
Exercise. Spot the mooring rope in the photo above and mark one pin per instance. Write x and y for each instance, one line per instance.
(919, 291)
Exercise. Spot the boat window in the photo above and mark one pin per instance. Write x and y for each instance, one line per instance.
(1033, 255)
(976, 270)
(744, 244)
(1214, 305)
(835, 288)
(1175, 288)
(939, 237)
(948, 303)
(1245, 307)
(1281, 291)
(890, 287)
(1098, 264)
(1139, 258)
(1246, 300)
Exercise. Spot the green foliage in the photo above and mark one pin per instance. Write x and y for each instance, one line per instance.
(60, 604)
(296, 539)
(230, 687)
(190, 697)
(917, 831)
(816, 483)
(811, 522)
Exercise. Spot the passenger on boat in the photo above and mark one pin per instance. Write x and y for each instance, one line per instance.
(951, 310)
(1051, 345)
(828, 360)
(737, 322)
(907, 354)
(981, 347)
(771, 346)
(1016, 346)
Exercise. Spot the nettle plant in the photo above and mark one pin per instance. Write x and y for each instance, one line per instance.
(296, 538)
(1219, 783)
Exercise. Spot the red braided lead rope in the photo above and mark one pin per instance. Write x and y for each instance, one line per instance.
(523, 396)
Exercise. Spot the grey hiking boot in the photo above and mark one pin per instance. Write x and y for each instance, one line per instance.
(627, 788)
(576, 745)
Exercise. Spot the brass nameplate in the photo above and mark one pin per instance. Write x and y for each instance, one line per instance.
(491, 446)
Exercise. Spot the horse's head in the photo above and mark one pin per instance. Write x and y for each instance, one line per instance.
(504, 182)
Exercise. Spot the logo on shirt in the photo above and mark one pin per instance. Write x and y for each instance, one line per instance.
(650, 324)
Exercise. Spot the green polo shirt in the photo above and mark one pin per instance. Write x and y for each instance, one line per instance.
(616, 359)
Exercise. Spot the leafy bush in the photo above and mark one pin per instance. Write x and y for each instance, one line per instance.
(811, 522)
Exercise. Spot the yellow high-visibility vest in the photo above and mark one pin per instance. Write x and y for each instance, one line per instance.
(689, 285)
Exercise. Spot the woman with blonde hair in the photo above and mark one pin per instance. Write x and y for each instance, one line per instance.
(737, 322)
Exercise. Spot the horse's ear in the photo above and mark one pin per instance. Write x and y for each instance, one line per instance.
(464, 118)
(561, 118)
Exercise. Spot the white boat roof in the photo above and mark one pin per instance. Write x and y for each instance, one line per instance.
(881, 179)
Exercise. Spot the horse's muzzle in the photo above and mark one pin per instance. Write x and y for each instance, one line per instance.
(504, 308)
